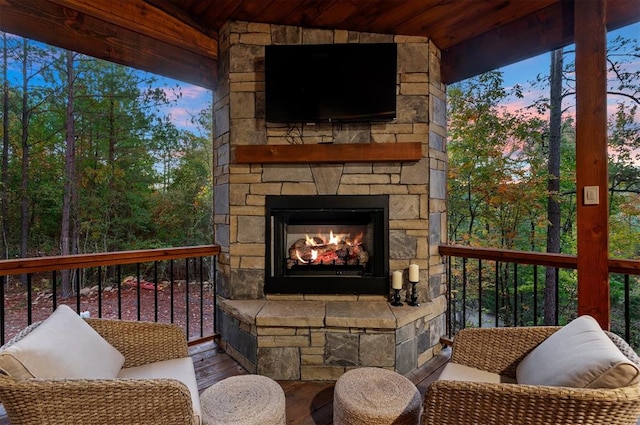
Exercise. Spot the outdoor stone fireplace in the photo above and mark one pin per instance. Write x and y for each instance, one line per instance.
(275, 329)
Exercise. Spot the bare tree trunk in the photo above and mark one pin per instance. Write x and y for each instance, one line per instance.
(4, 180)
(24, 185)
(553, 183)
(68, 199)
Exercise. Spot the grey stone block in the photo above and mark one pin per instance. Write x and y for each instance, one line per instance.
(280, 363)
(377, 350)
(406, 356)
(244, 343)
(341, 349)
(438, 184)
(251, 229)
(401, 245)
(405, 333)
(247, 284)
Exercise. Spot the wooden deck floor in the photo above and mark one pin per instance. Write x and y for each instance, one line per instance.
(308, 403)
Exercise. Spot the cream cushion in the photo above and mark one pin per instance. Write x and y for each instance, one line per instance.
(62, 346)
(179, 369)
(459, 372)
(579, 355)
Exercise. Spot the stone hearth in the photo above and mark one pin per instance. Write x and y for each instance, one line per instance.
(320, 340)
(319, 336)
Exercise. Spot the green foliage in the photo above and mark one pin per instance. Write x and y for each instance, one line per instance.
(498, 194)
(140, 181)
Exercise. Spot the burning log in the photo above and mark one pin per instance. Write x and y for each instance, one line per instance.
(336, 251)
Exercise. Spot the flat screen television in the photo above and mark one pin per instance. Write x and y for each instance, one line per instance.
(330, 82)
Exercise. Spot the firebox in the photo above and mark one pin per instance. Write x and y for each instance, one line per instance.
(327, 244)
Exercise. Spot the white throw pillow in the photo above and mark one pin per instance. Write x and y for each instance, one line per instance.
(579, 355)
(63, 346)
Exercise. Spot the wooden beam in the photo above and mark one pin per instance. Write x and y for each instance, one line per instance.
(143, 18)
(328, 153)
(538, 33)
(591, 160)
(58, 23)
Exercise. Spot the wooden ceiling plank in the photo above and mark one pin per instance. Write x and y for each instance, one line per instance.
(142, 17)
(247, 10)
(472, 18)
(535, 34)
(58, 26)
(337, 14)
(532, 35)
(277, 9)
(393, 18)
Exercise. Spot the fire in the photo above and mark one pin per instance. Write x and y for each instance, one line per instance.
(299, 258)
(355, 241)
(332, 249)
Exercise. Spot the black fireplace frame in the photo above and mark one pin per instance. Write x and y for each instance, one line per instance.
(375, 282)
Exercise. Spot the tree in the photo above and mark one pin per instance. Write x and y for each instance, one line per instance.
(553, 185)
(69, 192)
(4, 167)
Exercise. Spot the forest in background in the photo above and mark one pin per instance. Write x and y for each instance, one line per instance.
(512, 182)
(91, 159)
(92, 162)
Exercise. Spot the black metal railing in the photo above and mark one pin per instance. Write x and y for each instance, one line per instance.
(493, 287)
(172, 285)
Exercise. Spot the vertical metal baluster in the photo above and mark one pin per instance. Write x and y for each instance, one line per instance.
(557, 284)
(155, 293)
(138, 291)
(464, 294)
(119, 276)
(215, 298)
(172, 282)
(515, 294)
(479, 293)
(54, 289)
(3, 282)
(535, 295)
(450, 300)
(99, 291)
(186, 299)
(497, 300)
(77, 275)
(201, 297)
(29, 312)
(627, 309)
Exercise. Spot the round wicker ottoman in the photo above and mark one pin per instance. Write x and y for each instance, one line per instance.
(244, 400)
(374, 396)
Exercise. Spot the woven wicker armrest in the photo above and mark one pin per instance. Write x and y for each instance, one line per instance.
(497, 350)
(142, 342)
(458, 402)
(108, 402)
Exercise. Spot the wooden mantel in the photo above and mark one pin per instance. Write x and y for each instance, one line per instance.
(328, 153)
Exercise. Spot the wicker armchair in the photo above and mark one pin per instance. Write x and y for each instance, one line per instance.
(107, 401)
(499, 350)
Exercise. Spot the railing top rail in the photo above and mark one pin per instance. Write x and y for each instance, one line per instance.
(565, 261)
(68, 262)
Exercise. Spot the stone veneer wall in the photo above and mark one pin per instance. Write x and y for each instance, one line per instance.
(416, 189)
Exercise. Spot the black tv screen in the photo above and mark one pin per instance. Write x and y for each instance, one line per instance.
(330, 82)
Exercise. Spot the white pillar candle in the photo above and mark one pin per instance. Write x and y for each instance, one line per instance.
(414, 273)
(396, 282)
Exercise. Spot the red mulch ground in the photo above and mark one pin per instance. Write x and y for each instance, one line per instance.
(16, 312)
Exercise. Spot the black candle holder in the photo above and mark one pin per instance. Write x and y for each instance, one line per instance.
(396, 298)
(414, 297)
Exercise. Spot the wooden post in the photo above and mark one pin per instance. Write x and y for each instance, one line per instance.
(591, 160)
